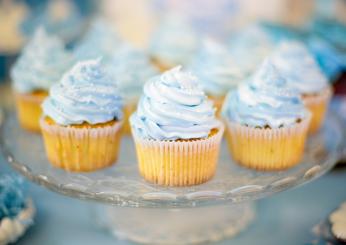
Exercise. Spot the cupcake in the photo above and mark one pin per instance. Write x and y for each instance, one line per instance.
(172, 44)
(131, 67)
(302, 73)
(100, 40)
(176, 133)
(250, 46)
(267, 122)
(216, 70)
(82, 119)
(41, 64)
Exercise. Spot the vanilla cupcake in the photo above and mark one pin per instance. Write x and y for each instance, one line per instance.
(176, 133)
(172, 44)
(131, 67)
(82, 119)
(267, 122)
(302, 73)
(41, 64)
(217, 71)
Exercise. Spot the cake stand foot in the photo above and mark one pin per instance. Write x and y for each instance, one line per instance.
(176, 226)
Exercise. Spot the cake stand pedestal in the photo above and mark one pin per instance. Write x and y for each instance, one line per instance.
(139, 211)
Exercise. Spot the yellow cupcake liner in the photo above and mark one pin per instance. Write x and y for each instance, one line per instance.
(218, 102)
(81, 148)
(267, 149)
(159, 64)
(181, 162)
(317, 105)
(29, 110)
(129, 109)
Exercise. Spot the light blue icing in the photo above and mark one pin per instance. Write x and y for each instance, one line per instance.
(173, 107)
(41, 63)
(250, 46)
(299, 67)
(100, 40)
(174, 42)
(215, 68)
(331, 61)
(264, 100)
(85, 94)
(131, 68)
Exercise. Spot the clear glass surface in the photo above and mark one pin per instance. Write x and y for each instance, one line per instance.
(122, 185)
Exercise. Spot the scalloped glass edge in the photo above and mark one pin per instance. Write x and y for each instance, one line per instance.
(168, 200)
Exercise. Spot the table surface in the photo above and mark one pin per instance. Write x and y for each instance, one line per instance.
(285, 218)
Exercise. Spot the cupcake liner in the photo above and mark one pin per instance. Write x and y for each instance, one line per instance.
(318, 105)
(218, 102)
(29, 110)
(267, 149)
(159, 64)
(180, 162)
(76, 148)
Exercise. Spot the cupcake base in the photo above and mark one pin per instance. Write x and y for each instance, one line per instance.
(29, 109)
(181, 162)
(81, 148)
(267, 149)
(317, 104)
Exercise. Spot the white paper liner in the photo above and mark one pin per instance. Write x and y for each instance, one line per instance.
(72, 138)
(273, 149)
(178, 163)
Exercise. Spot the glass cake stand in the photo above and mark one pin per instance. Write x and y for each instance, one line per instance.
(139, 211)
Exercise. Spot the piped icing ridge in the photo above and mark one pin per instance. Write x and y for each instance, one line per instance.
(41, 63)
(265, 100)
(299, 67)
(86, 93)
(173, 107)
(131, 68)
(216, 68)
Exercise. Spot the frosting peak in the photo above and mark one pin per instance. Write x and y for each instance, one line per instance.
(264, 101)
(216, 69)
(85, 94)
(41, 64)
(172, 107)
(298, 66)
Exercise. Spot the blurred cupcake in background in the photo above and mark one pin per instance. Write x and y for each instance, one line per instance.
(250, 46)
(176, 133)
(16, 209)
(267, 122)
(331, 60)
(40, 65)
(216, 70)
(131, 68)
(101, 40)
(302, 73)
(82, 119)
(62, 18)
(173, 43)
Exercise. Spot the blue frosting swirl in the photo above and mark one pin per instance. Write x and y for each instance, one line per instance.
(131, 68)
(85, 94)
(299, 67)
(331, 61)
(216, 69)
(173, 107)
(265, 100)
(174, 42)
(250, 46)
(41, 64)
(100, 40)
